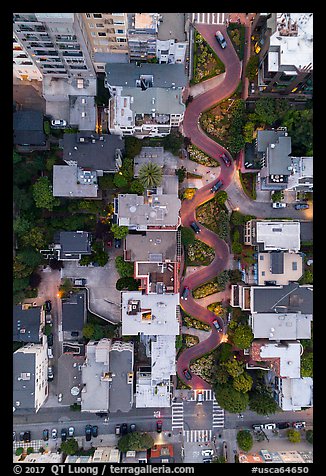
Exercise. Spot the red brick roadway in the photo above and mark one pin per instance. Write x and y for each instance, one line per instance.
(192, 130)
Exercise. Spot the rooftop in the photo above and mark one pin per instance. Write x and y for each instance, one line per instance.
(151, 246)
(301, 174)
(281, 326)
(95, 393)
(297, 393)
(24, 379)
(82, 112)
(278, 235)
(26, 324)
(55, 89)
(163, 358)
(121, 369)
(28, 128)
(74, 243)
(149, 314)
(289, 299)
(172, 26)
(74, 182)
(74, 312)
(278, 154)
(280, 267)
(288, 355)
(89, 150)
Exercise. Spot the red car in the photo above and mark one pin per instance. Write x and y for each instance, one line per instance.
(159, 424)
(226, 160)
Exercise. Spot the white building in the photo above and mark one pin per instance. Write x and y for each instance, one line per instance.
(301, 178)
(24, 66)
(273, 235)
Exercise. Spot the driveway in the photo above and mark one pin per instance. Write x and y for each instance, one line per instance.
(103, 297)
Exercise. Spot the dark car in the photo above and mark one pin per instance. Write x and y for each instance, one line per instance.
(21, 436)
(159, 425)
(27, 437)
(195, 227)
(283, 426)
(94, 431)
(185, 293)
(301, 206)
(220, 39)
(225, 159)
(48, 306)
(187, 374)
(50, 340)
(45, 434)
(117, 242)
(132, 427)
(13, 436)
(217, 186)
(124, 429)
(64, 434)
(217, 325)
(88, 432)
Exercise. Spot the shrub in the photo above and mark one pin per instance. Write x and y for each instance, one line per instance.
(128, 283)
(310, 436)
(294, 435)
(187, 236)
(30, 450)
(124, 268)
(19, 451)
(120, 181)
(230, 399)
(245, 440)
(252, 67)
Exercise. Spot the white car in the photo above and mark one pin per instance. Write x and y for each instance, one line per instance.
(60, 397)
(270, 426)
(299, 425)
(71, 431)
(54, 434)
(209, 452)
(278, 205)
(58, 123)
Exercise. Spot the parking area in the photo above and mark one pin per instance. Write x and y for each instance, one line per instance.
(198, 452)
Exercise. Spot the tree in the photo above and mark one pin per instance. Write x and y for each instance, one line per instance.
(237, 218)
(135, 441)
(21, 270)
(265, 111)
(42, 194)
(262, 403)
(16, 158)
(230, 399)
(132, 146)
(47, 129)
(221, 375)
(21, 225)
(106, 182)
(222, 279)
(277, 196)
(187, 236)
(19, 451)
(23, 198)
(242, 336)
(245, 440)
(173, 142)
(294, 435)
(181, 173)
(85, 260)
(137, 187)
(310, 436)
(150, 175)
(93, 331)
(30, 257)
(243, 382)
(124, 268)
(307, 361)
(55, 264)
(248, 131)
(34, 280)
(234, 367)
(221, 197)
(70, 446)
(101, 257)
(127, 169)
(35, 238)
(252, 67)
(119, 180)
(300, 128)
(127, 283)
(119, 231)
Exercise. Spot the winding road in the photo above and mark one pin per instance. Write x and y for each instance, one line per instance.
(191, 129)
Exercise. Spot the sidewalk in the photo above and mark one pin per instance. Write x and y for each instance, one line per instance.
(204, 86)
(202, 335)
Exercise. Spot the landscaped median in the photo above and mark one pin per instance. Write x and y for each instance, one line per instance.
(201, 158)
(206, 63)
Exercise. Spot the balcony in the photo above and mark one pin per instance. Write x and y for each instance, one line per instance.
(72, 53)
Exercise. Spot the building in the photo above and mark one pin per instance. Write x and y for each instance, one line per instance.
(301, 178)
(24, 66)
(72, 181)
(146, 99)
(284, 42)
(28, 322)
(28, 131)
(106, 454)
(56, 43)
(30, 377)
(73, 316)
(279, 268)
(107, 376)
(134, 457)
(171, 43)
(39, 458)
(162, 454)
(82, 112)
(71, 245)
(288, 456)
(142, 34)
(267, 236)
(100, 152)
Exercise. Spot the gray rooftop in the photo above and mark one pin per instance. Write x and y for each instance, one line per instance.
(28, 128)
(24, 388)
(164, 101)
(152, 246)
(291, 298)
(277, 262)
(98, 155)
(279, 159)
(111, 58)
(26, 324)
(265, 138)
(164, 75)
(74, 312)
(121, 393)
(66, 178)
(74, 243)
(82, 112)
(281, 326)
(172, 26)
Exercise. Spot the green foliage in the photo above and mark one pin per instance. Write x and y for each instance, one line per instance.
(127, 283)
(21, 270)
(47, 129)
(310, 436)
(277, 196)
(66, 286)
(230, 399)
(42, 194)
(94, 331)
(242, 336)
(19, 451)
(16, 158)
(47, 329)
(101, 258)
(70, 446)
(206, 289)
(221, 197)
(221, 375)
(307, 278)
(300, 128)
(243, 382)
(23, 198)
(35, 238)
(245, 440)
(233, 367)
(265, 111)
(119, 231)
(135, 441)
(136, 187)
(238, 219)
(181, 173)
(124, 268)
(120, 181)
(222, 279)
(187, 236)
(223, 225)
(30, 450)
(262, 403)
(236, 32)
(199, 253)
(224, 352)
(236, 140)
(85, 260)
(219, 459)
(75, 407)
(248, 131)
(252, 67)
(307, 360)
(294, 436)
(150, 175)
(30, 257)
(106, 182)
(132, 146)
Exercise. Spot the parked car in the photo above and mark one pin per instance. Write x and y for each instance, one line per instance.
(50, 353)
(58, 123)
(225, 159)
(132, 427)
(217, 325)
(278, 205)
(124, 429)
(50, 374)
(187, 374)
(64, 434)
(50, 340)
(185, 293)
(283, 426)
(257, 427)
(48, 306)
(95, 431)
(13, 436)
(220, 39)
(21, 436)
(195, 227)
(217, 186)
(200, 398)
(60, 397)
(270, 426)
(71, 432)
(117, 429)
(209, 452)
(301, 206)
(159, 425)
(54, 433)
(299, 425)
(45, 434)
(88, 432)
(79, 282)
(117, 242)
(27, 436)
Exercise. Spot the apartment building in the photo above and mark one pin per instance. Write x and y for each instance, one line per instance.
(24, 66)
(55, 43)
(284, 42)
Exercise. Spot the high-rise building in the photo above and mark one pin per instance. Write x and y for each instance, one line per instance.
(24, 66)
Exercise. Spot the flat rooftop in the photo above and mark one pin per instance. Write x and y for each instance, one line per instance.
(121, 389)
(26, 324)
(288, 299)
(289, 355)
(163, 358)
(149, 314)
(281, 326)
(297, 393)
(278, 235)
(172, 26)
(74, 182)
(153, 246)
(95, 393)
(288, 267)
(82, 112)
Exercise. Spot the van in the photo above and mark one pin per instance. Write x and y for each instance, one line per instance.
(50, 353)
(220, 39)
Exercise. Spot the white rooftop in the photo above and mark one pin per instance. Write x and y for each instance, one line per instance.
(152, 396)
(294, 37)
(297, 393)
(153, 314)
(163, 358)
(289, 355)
(301, 173)
(278, 235)
(277, 326)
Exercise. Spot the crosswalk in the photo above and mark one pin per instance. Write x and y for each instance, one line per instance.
(177, 415)
(218, 416)
(193, 436)
(209, 18)
(208, 395)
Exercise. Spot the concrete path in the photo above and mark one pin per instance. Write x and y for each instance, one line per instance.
(201, 334)
(207, 85)
(216, 297)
